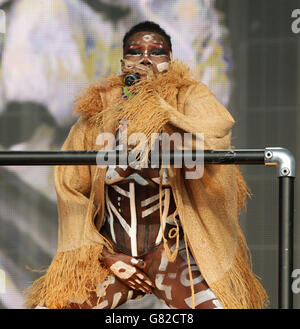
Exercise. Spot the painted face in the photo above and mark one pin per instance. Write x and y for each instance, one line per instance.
(148, 48)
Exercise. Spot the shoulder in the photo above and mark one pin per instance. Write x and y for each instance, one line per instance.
(197, 89)
(96, 96)
(192, 92)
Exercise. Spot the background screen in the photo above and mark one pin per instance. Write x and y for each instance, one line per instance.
(246, 51)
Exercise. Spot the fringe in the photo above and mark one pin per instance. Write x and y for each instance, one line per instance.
(243, 190)
(144, 111)
(89, 102)
(247, 291)
(70, 278)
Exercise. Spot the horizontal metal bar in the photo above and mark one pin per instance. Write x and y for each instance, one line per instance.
(38, 158)
(238, 156)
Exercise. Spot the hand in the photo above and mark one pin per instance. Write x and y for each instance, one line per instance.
(129, 270)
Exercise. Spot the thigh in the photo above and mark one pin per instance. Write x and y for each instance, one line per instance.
(110, 294)
(173, 284)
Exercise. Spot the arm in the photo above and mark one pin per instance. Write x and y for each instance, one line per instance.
(202, 113)
(73, 187)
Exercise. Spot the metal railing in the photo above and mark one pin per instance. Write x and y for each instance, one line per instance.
(282, 158)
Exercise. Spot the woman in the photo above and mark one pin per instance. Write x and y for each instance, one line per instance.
(124, 231)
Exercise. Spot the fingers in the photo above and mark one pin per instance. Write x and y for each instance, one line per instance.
(131, 271)
(144, 281)
(140, 280)
(137, 284)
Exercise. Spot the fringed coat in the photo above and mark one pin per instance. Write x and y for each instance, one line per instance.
(209, 207)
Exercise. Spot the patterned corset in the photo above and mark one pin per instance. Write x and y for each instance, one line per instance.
(132, 214)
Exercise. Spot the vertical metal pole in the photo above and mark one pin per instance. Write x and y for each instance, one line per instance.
(286, 241)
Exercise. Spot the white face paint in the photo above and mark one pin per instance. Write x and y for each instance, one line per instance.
(148, 48)
(162, 66)
(148, 37)
(142, 60)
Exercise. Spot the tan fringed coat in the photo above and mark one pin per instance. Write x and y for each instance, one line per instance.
(209, 208)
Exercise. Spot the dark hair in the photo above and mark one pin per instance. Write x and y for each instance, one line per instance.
(147, 26)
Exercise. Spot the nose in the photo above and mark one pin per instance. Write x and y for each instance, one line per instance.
(146, 60)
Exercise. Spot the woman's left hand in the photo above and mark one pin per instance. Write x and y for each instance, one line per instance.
(129, 270)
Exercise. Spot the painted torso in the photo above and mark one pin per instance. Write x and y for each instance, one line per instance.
(132, 212)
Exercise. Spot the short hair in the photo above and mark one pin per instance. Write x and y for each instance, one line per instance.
(147, 26)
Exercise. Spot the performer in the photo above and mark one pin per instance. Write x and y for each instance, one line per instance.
(127, 231)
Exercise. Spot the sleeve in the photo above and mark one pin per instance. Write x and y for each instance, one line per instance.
(75, 270)
(202, 113)
(73, 185)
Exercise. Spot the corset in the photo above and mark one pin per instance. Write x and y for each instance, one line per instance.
(132, 210)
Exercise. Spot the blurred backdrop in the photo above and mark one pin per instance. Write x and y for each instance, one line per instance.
(245, 51)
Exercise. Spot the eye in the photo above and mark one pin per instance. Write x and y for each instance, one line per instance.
(134, 52)
(158, 52)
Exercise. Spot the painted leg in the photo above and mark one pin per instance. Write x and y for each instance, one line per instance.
(113, 294)
(173, 283)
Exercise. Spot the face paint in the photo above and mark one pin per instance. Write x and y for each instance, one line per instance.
(148, 37)
(149, 49)
(153, 50)
(162, 66)
(148, 59)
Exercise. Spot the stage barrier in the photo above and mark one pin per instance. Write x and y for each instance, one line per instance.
(282, 158)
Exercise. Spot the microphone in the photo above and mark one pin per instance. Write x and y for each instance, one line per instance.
(131, 79)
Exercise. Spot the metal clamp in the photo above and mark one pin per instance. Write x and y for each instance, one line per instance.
(283, 159)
